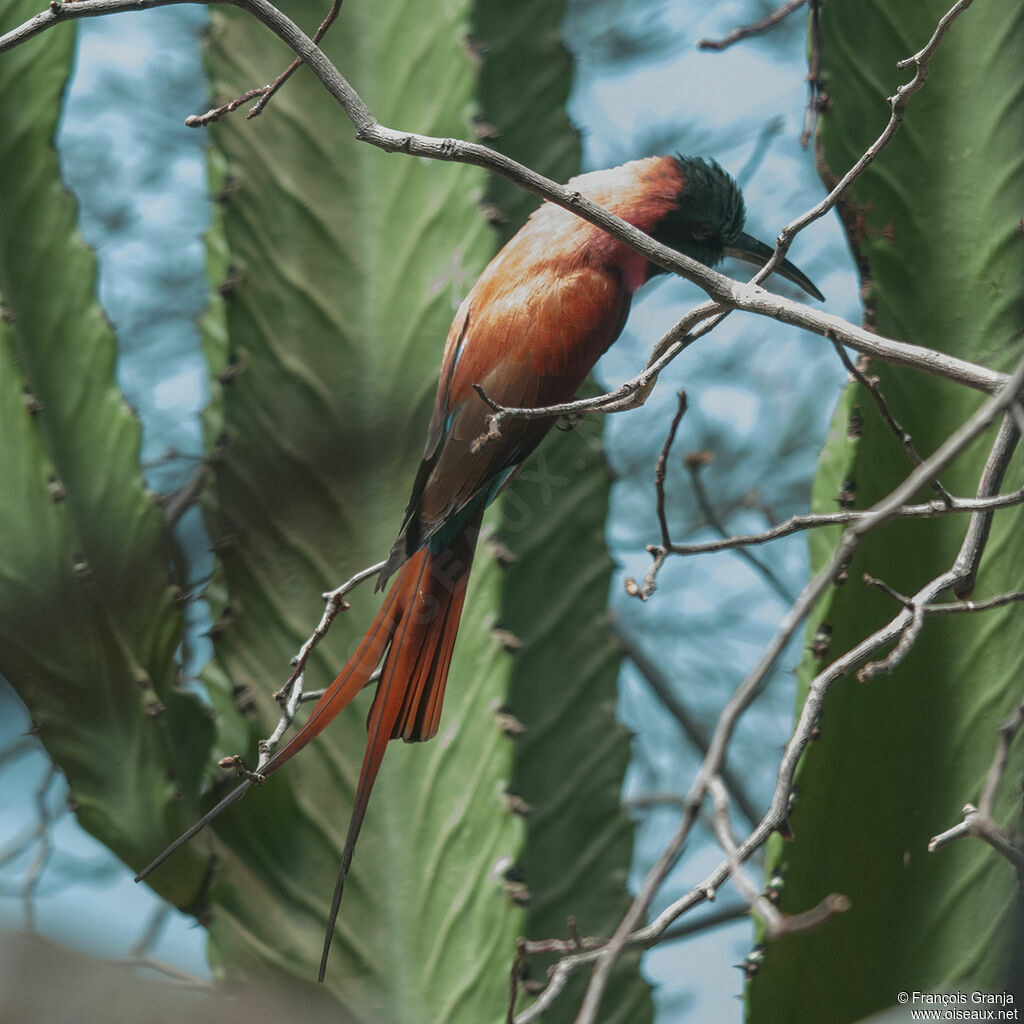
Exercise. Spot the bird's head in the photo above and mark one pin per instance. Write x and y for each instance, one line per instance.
(707, 222)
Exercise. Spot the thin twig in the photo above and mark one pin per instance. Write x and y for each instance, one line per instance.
(264, 92)
(44, 839)
(949, 607)
(814, 93)
(770, 916)
(645, 801)
(776, 924)
(627, 935)
(631, 394)
(694, 731)
(183, 980)
(989, 500)
(1009, 844)
(911, 621)
(513, 982)
(660, 472)
(216, 113)
(607, 956)
(871, 384)
(815, 521)
(964, 567)
(290, 696)
(706, 922)
(661, 469)
(898, 103)
(996, 464)
(872, 581)
(694, 464)
(151, 931)
(1007, 732)
(182, 500)
(959, 607)
(757, 28)
(979, 821)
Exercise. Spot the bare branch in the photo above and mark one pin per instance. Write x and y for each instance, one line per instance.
(991, 480)
(871, 581)
(1009, 844)
(978, 821)
(660, 472)
(814, 521)
(694, 464)
(956, 607)
(753, 299)
(291, 695)
(263, 93)
(898, 103)
(911, 620)
(661, 469)
(706, 922)
(949, 607)
(776, 924)
(871, 384)
(622, 938)
(151, 930)
(694, 731)
(44, 841)
(1007, 732)
(813, 73)
(964, 567)
(628, 935)
(216, 113)
(769, 914)
(727, 294)
(757, 28)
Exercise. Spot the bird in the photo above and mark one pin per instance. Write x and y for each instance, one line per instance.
(527, 335)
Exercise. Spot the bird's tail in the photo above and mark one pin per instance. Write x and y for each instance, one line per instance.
(414, 633)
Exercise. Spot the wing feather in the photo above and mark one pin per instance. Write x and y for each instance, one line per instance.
(528, 333)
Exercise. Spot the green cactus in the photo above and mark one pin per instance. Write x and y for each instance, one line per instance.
(934, 228)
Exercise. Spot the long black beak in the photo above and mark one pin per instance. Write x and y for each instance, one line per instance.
(751, 250)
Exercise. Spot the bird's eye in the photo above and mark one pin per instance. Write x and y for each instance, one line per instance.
(702, 231)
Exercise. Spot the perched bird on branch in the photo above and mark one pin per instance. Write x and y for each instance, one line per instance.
(527, 335)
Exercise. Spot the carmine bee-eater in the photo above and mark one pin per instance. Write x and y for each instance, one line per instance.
(528, 333)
